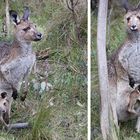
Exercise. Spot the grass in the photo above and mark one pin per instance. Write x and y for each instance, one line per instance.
(117, 36)
(60, 113)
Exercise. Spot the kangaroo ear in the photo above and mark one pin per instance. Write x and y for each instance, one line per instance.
(126, 5)
(14, 17)
(26, 13)
(3, 95)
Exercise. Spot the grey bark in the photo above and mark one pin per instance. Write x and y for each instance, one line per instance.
(102, 67)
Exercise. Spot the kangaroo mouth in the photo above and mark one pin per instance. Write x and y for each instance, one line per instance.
(37, 39)
(134, 29)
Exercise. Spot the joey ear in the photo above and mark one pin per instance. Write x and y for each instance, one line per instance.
(26, 13)
(3, 95)
(14, 17)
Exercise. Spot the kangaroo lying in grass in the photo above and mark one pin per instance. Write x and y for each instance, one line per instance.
(18, 58)
(122, 65)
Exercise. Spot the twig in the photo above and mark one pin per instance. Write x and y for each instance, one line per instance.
(42, 55)
(72, 6)
(17, 126)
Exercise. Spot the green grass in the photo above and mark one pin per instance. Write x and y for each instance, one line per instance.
(60, 113)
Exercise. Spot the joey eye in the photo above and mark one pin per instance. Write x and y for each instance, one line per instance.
(138, 17)
(26, 29)
(4, 104)
(128, 18)
(7, 100)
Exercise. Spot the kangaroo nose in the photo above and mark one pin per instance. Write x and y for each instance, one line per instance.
(133, 26)
(39, 35)
(3, 111)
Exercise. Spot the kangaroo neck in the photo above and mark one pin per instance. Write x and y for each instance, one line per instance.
(134, 36)
(25, 48)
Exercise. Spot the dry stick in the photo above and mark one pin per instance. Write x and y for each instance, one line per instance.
(42, 55)
(17, 126)
(71, 6)
(12, 126)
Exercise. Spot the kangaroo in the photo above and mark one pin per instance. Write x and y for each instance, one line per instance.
(18, 58)
(123, 65)
(134, 97)
(4, 108)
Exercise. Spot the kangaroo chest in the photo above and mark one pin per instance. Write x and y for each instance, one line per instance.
(24, 65)
(129, 57)
(16, 70)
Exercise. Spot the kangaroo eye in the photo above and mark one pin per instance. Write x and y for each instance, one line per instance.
(128, 18)
(26, 29)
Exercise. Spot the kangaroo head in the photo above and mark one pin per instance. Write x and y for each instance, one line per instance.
(132, 20)
(4, 102)
(132, 17)
(24, 31)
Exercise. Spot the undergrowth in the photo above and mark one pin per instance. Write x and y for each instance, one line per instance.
(60, 113)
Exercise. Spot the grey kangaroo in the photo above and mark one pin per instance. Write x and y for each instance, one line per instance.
(18, 58)
(123, 65)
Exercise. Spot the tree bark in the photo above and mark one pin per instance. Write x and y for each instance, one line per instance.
(102, 67)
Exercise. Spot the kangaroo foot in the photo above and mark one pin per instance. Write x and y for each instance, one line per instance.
(132, 111)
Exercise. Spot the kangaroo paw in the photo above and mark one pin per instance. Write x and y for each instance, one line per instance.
(15, 94)
(22, 98)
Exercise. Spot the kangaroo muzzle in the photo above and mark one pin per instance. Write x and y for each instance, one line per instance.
(38, 37)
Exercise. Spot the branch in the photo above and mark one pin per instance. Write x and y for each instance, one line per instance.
(69, 6)
(17, 126)
(72, 6)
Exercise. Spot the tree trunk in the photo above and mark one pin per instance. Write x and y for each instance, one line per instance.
(102, 67)
(7, 21)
